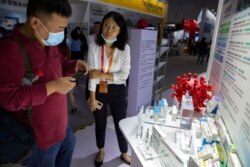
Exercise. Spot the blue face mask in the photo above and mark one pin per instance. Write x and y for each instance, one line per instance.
(112, 40)
(53, 38)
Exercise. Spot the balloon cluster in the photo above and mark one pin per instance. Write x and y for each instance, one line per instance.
(197, 88)
(142, 23)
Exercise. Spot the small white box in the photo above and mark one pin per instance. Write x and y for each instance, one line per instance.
(186, 111)
(213, 128)
(206, 132)
(205, 153)
(197, 129)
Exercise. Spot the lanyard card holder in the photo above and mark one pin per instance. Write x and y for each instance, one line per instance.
(103, 86)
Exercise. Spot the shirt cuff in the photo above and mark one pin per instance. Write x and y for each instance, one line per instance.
(116, 77)
(92, 84)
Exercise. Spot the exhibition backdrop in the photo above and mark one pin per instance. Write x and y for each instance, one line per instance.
(153, 7)
(230, 72)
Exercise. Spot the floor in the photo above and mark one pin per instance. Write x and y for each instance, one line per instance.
(178, 65)
(85, 150)
(83, 123)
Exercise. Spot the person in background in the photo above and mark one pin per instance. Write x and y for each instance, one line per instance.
(109, 61)
(91, 38)
(192, 46)
(75, 48)
(63, 46)
(202, 50)
(179, 47)
(84, 44)
(208, 49)
(40, 34)
(3, 32)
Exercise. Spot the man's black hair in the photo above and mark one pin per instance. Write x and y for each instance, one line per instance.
(74, 35)
(122, 37)
(47, 7)
(97, 22)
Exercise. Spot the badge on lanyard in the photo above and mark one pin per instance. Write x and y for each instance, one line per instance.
(103, 84)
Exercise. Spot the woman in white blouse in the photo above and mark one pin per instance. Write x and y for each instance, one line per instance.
(109, 62)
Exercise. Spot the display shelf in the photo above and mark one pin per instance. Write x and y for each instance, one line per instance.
(159, 70)
(159, 78)
(161, 50)
(159, 84)
(157, 91)
(161, 64)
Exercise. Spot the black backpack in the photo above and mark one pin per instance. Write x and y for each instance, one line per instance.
(16, 140)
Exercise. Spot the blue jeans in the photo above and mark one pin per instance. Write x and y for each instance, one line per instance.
(58, 155)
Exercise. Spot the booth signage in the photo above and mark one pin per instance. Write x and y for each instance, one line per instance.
(153, 7)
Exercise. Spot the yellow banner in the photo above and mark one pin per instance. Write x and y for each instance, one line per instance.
(147, 6)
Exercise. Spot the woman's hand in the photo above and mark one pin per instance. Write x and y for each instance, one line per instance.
(92, 103)
(81, 66)
(95, 74)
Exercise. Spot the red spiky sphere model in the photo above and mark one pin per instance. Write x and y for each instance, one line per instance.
(197, 88)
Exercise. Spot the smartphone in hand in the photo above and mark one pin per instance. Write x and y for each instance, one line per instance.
(79, 74)
(99, 105)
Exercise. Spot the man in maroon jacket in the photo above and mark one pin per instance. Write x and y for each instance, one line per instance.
(40, 34)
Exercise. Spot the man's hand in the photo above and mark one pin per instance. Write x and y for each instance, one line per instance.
(62, 85)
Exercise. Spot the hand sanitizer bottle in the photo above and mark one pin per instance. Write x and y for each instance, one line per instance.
(156, 113)
(165, 104)
(163, 111)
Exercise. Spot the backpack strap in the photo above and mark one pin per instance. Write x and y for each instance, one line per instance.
(27, 68)
(16, 139)
(26, 60)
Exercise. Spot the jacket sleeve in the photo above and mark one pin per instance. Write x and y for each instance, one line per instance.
(92, 65)
(68, 65)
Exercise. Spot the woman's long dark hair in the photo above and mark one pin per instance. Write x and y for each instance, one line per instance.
(122, 37)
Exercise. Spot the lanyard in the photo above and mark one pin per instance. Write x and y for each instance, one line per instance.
(110, 60)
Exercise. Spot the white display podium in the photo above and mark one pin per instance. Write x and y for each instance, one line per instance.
(128, 127)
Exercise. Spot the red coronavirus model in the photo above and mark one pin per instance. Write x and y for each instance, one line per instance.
(196, 87)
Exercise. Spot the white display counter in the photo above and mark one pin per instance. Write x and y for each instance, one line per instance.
(173, 154)
(164, 142)
(128, 127)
